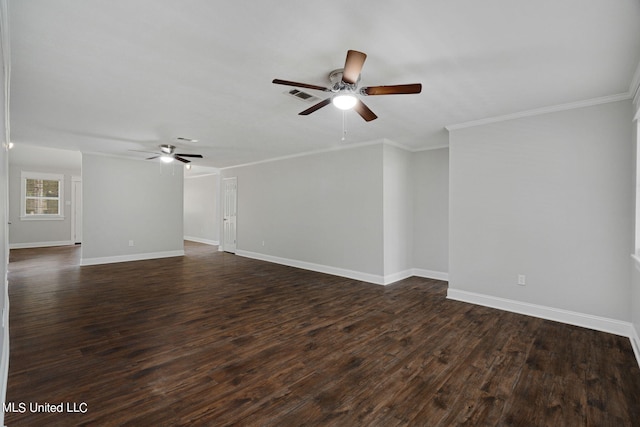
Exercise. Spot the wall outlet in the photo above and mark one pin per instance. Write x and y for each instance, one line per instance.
(131, 243)
(522, 280)
(263, 243)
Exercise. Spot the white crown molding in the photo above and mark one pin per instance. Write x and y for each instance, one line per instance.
(543, 110)
(434, 147)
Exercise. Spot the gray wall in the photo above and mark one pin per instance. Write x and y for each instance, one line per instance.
(398, 210)
(130, 200)
(324, 208)
(635, 269)
(201, 209)
(4, 218)
(38, 232)
(430, 177)
(549, 197)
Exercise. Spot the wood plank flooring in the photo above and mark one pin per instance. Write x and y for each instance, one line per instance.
(212, 339)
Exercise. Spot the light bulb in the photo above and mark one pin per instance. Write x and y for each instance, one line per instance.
(166, 159)
(344, 101)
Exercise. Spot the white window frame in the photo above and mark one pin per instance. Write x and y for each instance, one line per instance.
(24, 175)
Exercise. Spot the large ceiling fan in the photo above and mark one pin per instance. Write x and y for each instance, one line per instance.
(345, 88)
(168, 154)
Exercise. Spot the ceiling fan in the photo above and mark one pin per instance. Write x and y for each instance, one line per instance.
(345, 88)
(168, 154)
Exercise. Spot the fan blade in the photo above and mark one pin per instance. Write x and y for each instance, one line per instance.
(364, 111)
(151, 158)
(296, 84)
(318, 106)
(198, 156)
(352, 66)
(392, 90)
(180, 159)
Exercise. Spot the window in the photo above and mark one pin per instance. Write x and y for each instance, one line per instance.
(42, 196)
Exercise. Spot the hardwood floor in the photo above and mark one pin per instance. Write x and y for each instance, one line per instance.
(213, 339)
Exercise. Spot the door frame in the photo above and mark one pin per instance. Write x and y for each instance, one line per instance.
(225, 206)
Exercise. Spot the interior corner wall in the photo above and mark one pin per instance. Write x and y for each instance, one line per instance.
(546, 197)
(430, 176)
(38, 233)
(397, 212)
(200, 209)
(635, 269)
(130, 200)
(322, 210)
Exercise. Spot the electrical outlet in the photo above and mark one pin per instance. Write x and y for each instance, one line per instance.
(131, 243)
(522, 280)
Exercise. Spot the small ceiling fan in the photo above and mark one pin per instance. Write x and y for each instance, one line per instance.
(345, 88)
(168, 154)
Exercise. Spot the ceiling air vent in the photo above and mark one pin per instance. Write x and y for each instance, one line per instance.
(304, 96)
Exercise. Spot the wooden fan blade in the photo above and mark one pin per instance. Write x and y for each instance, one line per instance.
(318, 106)
(392, 90)
(180, 159)
(352, 66)
(198, 156)
(364, 111)
(296, 84)
(151, 158)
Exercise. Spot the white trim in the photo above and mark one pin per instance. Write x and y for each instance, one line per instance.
(434, 147)
(634, 87)
(430, 274)
(205, 241)
(132, 257)
(396, 277)
(24, 175)
(375, 279)
(635, 343)
(42, 218)
(543, 110)
(342, 272)
(597, 323)
(40, 244)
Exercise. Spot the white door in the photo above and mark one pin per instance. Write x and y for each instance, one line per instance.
(229, 230)
(76, 201)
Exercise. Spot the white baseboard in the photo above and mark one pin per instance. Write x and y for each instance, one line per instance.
(349, 274)
(430, 274)
(597, 323)
(342, 272)
(635, 343)
(40, 244)
(132, 257)
(205, 241)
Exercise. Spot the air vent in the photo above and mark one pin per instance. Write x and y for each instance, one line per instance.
(304, 96)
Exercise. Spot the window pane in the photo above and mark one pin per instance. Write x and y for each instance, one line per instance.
(42, 188)
(42, 207)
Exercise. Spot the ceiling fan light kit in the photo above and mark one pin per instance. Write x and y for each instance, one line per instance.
(345, 87)
(344, 101)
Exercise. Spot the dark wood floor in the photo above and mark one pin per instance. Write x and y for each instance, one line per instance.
(215, 339)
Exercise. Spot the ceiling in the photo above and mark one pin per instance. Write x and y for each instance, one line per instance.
(110, 76)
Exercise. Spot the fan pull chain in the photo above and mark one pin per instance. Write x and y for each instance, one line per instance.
(344, 126)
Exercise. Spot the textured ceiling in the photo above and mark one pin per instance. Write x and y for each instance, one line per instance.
(110, 76)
